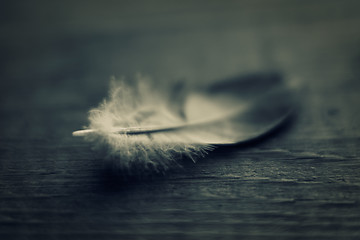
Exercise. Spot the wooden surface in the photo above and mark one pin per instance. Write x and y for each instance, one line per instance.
(56, 58)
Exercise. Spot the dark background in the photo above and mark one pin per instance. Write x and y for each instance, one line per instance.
(56, 59)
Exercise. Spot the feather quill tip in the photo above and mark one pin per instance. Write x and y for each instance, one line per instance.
(82, 133)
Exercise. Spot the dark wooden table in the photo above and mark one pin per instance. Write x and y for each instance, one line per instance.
(302, 182)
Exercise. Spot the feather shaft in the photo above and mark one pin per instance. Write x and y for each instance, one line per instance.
(149, 130)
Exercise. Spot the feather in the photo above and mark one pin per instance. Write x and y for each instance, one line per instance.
(146, 129)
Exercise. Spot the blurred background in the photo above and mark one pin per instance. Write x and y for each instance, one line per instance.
(56, 59)
(61, 55)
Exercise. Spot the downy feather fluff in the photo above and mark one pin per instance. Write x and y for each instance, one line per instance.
(136, 107)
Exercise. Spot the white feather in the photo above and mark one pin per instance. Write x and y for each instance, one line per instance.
(139, 128)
